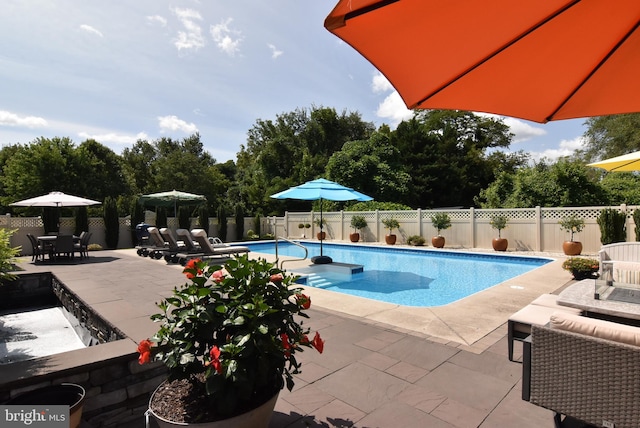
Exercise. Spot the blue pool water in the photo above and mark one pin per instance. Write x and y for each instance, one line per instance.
(408, 277)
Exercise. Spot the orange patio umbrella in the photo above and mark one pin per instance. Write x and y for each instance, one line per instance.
(538, 60)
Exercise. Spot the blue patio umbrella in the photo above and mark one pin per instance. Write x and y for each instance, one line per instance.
(320, 189)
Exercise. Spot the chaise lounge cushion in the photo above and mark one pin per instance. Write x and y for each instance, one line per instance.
(602, 329)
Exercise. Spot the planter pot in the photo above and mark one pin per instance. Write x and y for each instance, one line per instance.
(256, 418)
(500, 244)
(321, 236)
(354, 237)
(68, 394)
(437, 241)
(390, 239)
(572, 248)
(580, 275)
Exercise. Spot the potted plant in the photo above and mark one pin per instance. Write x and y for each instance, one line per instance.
(322, 235)
(440, 221)
(229, 338)
(582, 267)
(390, 223)
(358, 223)
(499, 222)
(572, 224)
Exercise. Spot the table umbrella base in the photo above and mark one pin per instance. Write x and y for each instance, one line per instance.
(321, 260)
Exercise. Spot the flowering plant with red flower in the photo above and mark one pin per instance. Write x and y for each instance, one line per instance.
(235, 330)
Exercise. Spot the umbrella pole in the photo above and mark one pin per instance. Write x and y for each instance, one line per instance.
(321, 259)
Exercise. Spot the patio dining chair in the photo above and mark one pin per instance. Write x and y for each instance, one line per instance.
(37, 250)
(64, 246)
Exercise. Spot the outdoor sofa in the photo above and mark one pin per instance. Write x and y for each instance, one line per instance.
(584, 368)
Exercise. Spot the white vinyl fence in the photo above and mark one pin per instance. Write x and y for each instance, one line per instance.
(528, 229)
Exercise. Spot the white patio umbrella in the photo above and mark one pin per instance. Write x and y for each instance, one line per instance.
(56, 199)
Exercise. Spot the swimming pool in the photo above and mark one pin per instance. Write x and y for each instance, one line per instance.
(411, 277)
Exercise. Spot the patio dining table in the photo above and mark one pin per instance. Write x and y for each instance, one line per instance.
(49, 244)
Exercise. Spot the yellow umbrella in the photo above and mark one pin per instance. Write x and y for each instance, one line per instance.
(628, 162)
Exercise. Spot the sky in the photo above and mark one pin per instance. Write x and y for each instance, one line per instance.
(120, 71)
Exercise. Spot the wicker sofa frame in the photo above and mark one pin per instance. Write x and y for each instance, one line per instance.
(594, 380)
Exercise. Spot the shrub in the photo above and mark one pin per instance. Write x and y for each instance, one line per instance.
(390, 223)
(358, 222)
(441, 221)
(7, 254)
(499, 222)
(416, 240)
(572, 224)
(222, 223)
(111, 222)
(613, 227)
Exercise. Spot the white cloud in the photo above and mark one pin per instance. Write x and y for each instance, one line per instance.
(173, 123)
(522, 130)
(157, 19)
(275, 53)
(394, 109)
(114, 138)
(380, 84)
(222, 35)
(89, 29)
(11, 119)
(192, 37)
(565, 148)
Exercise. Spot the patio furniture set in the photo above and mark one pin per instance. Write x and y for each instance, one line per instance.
(581, 349)
(57, 247)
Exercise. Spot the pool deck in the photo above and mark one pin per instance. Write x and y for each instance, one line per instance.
(384, 365)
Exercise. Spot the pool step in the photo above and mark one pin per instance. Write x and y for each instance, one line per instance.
(315, 280)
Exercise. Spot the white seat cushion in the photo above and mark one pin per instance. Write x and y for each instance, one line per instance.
(597, 328)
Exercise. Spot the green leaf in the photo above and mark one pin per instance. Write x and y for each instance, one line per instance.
(238, 321)
(244, 339)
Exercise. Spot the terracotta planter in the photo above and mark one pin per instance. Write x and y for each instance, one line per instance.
(437, 241)
(572, 248)
(321, 236)
(500, 244)
(390, 239)
(256, 418)
(354, 237)
(64, 394)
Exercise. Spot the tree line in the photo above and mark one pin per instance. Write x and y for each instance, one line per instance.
(435, 159)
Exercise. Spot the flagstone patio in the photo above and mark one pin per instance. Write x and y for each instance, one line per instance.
(383, 365)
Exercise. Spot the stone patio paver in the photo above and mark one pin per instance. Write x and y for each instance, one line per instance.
(383, 366)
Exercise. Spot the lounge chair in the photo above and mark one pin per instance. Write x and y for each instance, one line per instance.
(200, 236)
(157, 247)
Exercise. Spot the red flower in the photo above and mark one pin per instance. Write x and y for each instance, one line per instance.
(215, 358)
(303, 300)
(285, 344)
(276, 277)
(190, 267)
(218, 276)
(144, 348)
(304, 340)
(318, 343)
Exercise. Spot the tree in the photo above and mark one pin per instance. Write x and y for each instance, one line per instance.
(371, 166)
(564, 183)
(610, 136)
(447, 155)
(290, 150)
